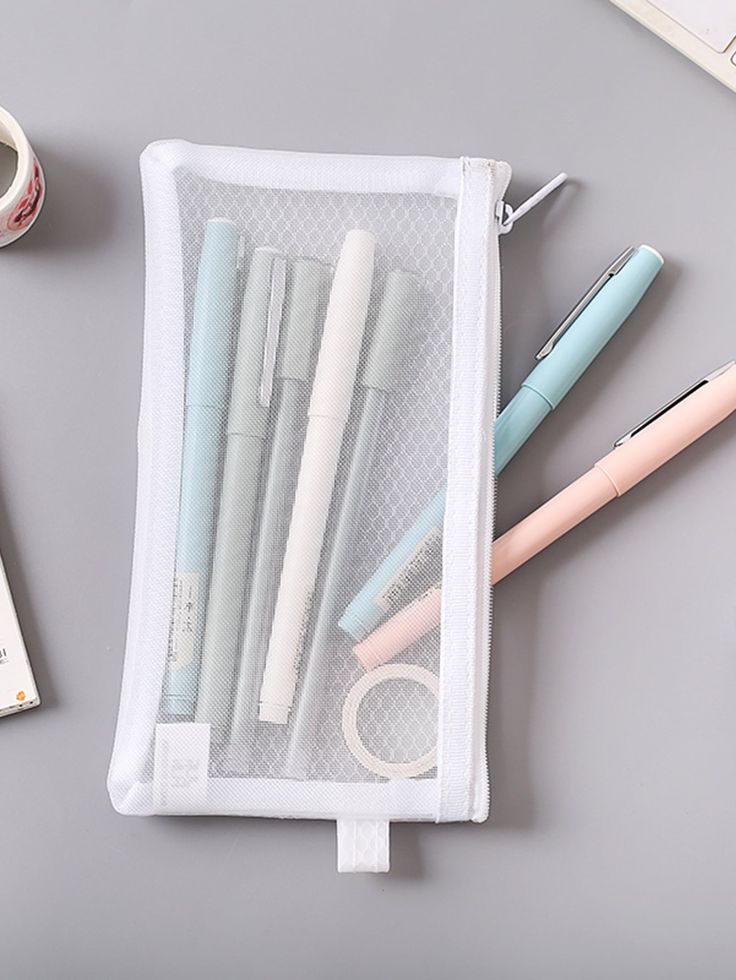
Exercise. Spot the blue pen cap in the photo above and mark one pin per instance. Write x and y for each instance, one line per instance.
(214, 315)
(589, 333)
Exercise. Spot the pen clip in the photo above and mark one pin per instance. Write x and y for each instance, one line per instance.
(615, 267)
(671, 404)
(276, 293)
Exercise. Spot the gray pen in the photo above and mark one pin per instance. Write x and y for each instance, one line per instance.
(246, 432)
(305, 312)
(396, 313)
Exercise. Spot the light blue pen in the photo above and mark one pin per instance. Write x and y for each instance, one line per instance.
(578, 340)
(204, 417)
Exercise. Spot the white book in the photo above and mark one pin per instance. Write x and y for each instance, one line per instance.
(18, 689)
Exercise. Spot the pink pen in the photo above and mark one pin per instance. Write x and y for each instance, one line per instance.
(637, 454)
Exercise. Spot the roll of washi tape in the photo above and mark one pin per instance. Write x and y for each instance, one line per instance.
(22, 201)
(382, 767)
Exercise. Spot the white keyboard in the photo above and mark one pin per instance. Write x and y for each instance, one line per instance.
(703, 30)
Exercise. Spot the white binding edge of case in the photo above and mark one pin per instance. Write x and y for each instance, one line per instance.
(462, 762)
(460, 791)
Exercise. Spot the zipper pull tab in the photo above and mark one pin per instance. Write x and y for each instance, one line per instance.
(506, 215)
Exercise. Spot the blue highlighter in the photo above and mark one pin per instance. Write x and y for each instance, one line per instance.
(573, 346)
(204, 418)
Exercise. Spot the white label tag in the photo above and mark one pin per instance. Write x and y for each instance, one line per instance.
(185, 618)
(415, 575)
(180, 767)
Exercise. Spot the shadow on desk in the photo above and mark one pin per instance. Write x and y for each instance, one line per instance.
(78, 211)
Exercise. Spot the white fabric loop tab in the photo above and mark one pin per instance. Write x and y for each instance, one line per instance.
(362, 845)
(507, 215)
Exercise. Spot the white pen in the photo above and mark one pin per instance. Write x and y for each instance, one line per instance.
(379, 377)
(329, 407)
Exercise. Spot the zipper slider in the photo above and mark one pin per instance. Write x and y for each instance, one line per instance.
(506, 215)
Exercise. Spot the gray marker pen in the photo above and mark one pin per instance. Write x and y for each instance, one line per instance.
(246, 432)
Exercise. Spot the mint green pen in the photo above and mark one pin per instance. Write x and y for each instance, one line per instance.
(570, 350)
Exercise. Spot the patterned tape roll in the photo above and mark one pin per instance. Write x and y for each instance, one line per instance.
(21, 202)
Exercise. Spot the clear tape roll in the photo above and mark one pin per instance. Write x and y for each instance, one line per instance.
(22, 201)
(382, 767)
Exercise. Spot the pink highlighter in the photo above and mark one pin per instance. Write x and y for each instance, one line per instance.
(637, 454)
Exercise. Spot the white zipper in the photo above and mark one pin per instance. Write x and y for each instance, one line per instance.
(504, 218)
(463, 779)
(462, 766)
(481, 786)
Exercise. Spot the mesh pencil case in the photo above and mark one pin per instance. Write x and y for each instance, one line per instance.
(321, 360)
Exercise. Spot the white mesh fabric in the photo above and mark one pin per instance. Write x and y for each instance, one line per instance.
(303, 206)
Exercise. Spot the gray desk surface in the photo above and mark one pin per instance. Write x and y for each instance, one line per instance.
(610, 851)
